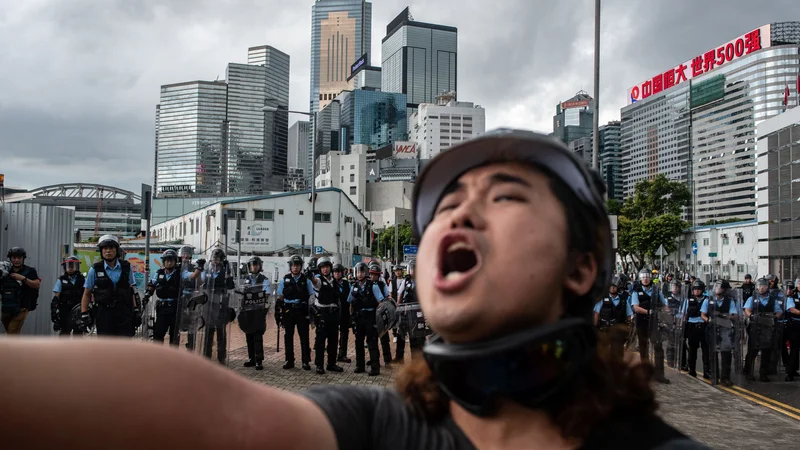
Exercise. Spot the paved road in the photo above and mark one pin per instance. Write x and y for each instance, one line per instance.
(719, 418)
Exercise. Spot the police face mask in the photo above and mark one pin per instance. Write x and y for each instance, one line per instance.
(531, 367)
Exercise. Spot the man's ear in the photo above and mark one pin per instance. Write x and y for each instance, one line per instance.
(581, 278)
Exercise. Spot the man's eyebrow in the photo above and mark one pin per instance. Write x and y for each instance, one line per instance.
(453, 187)
(502, 177)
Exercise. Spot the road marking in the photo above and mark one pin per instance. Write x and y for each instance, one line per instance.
(775, 408)
(767, 399)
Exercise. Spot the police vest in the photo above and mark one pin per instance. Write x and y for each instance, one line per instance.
(11, 292)
(410, 291)
(219, 282)
(382, 286)
(363, 297)
(748, 289)
(168, 288)
(770, 306)
(71, 293)
(254, 291)
(328, 294)
(719, 306)
(187, 283)
(613, 313)
(343, 290)
(790, 315)
(673, 302)
(105, 292)
(295, 290)
(693, 308)
(644, 298)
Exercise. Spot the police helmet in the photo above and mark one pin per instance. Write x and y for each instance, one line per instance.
(254, 260)
(295, 260)
(312, 264)
(338, 268)
(398, 267)
(169, 254)
(374, 267)
(186, 251)
(674, 283)
(762, 282)
(361, 268)
(721, 287)
(17, 251)
(412, 265)
(71, 260)
(218, 253)
(645, 274)
(748, 277)
(108, 240)
(770, 278)
(324, 261)
(788, 284)
(698, 285)
(616, 281)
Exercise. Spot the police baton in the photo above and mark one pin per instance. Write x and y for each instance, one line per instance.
(278, 349)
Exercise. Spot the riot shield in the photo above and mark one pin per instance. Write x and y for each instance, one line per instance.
(191, 309)
(657, 323)
(671, 324)
(148, 312)
(680, 341)
(411, 321)
(723, 333)
(252, 304)
(386, 316)
(761, 339)
(219, 314)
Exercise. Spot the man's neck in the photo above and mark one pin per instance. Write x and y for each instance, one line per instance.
(514, 427)
(112, 263)
(17, 269)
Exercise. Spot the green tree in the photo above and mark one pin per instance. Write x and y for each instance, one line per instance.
(613, 206)
(651, 218)
(384, 241)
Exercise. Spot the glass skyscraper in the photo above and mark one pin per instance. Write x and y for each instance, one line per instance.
(611, 159)
(573, 118)
(419, 59)
(341, 32)
(373, 118)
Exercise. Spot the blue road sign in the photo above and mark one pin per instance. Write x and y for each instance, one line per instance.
(694, 248)
(409, 249)
(318, 250)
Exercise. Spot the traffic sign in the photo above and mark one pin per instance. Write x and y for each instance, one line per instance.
(410, 249)
(712, 254)
(694, 247)
(318, 250)
(661, 251)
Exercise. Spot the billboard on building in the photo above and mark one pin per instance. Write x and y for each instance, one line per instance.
(706, 62)
(373, 172)
(405, 150)
(575, 104)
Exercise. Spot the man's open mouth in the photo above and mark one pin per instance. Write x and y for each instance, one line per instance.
(458, 258)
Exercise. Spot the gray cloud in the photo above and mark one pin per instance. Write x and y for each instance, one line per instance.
(81, 78)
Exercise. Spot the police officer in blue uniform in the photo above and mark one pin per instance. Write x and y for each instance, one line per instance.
(189, 286)
(292, 311)
(343, 291)
(696, 329)
(364, 298)
(644, 301)
(67, 293)
(676, 334)
(408, 295)
(253, 316)
(783, 334)
(218, 281)
(792, 316)
(166, 283)
(612, 318)
(113, 286)
(722, 309)
(326, 317)
(762, 309)
(375, 278)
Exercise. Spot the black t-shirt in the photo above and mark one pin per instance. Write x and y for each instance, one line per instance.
(378, 418)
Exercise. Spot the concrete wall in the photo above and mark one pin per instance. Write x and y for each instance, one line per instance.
(389, 194)
(45, 232)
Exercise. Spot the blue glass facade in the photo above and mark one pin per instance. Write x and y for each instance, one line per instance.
(373, 118)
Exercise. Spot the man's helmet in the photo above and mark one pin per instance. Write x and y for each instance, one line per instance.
(338, 268)
(374, 267)
(398, 267)
(698, 285)
(186, 251)
(312, 264)
(253, 261)
(17, 251)
(788, 284)
(674, 283)
(295, 260)
(169, 254)
(71, 262)
(762, 282)
(615, 281)
(324, 261)
(361, 268)
(218, 253)
(721, 287)
(108, 240)
(748, 277)
(771, 278)
(645, 274)
(412, 265)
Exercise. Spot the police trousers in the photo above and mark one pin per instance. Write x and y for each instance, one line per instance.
(222, 343)
(416, 345)
(344, 330)
(793, 329)
(115, 320)
(327, 336)
(296, 316)
(255, 346)
(166, 321)
(696, 335)
(366, 330)
(386, 347)
(66, 324)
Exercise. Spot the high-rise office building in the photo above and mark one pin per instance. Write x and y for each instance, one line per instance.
(364, 76)
(214, 138)
(372, 118)
(419, 59)
(611, 159)
(341, 32)
(697, 121)
(434, 127)
(573, 118)
(298, 145)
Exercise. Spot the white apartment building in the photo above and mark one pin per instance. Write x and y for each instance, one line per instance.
(347, 172)
(436, 127)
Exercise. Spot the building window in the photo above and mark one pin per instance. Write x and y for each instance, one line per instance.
(352, 167)
(263, 215)
(322, 217)
(352, 178)
(739, 238)
(191, 226)
(352, 190)
(725, 268)
(280, 212)
(706, 269)
(705, 241)
(232, 214)
(342, 178)
(358, 230)
(301, 213)
(725, 241)
(740, 268)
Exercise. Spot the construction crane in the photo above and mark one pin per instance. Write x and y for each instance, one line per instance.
(99, 211)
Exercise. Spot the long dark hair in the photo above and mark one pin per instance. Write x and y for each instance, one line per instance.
(609, 387)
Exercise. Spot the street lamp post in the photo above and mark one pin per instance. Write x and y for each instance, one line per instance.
(313, 117)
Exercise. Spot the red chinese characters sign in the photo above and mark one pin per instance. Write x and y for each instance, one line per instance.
(704, 63)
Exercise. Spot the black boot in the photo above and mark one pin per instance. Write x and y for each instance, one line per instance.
(306, 366)
(662, 379)
(249, 363)
(288, 365)
(320, 370)
(259, 366)
(334, 368)
(344, 359)
(374, 372)
(359, 369)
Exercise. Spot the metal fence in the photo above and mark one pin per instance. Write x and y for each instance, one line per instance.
(46, 233)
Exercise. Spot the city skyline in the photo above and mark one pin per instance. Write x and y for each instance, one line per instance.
(97, 109)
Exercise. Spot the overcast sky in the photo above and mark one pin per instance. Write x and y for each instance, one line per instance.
(80, 78)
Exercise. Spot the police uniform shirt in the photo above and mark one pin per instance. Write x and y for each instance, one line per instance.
(791, 303)
(57, 287)
(186, 275)
(615, 300)
(763, 301)
(309, 286)
(267, 286)
(652, 292)
(731, 310)
(376, 291)
(168, 276)
(113, 274)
